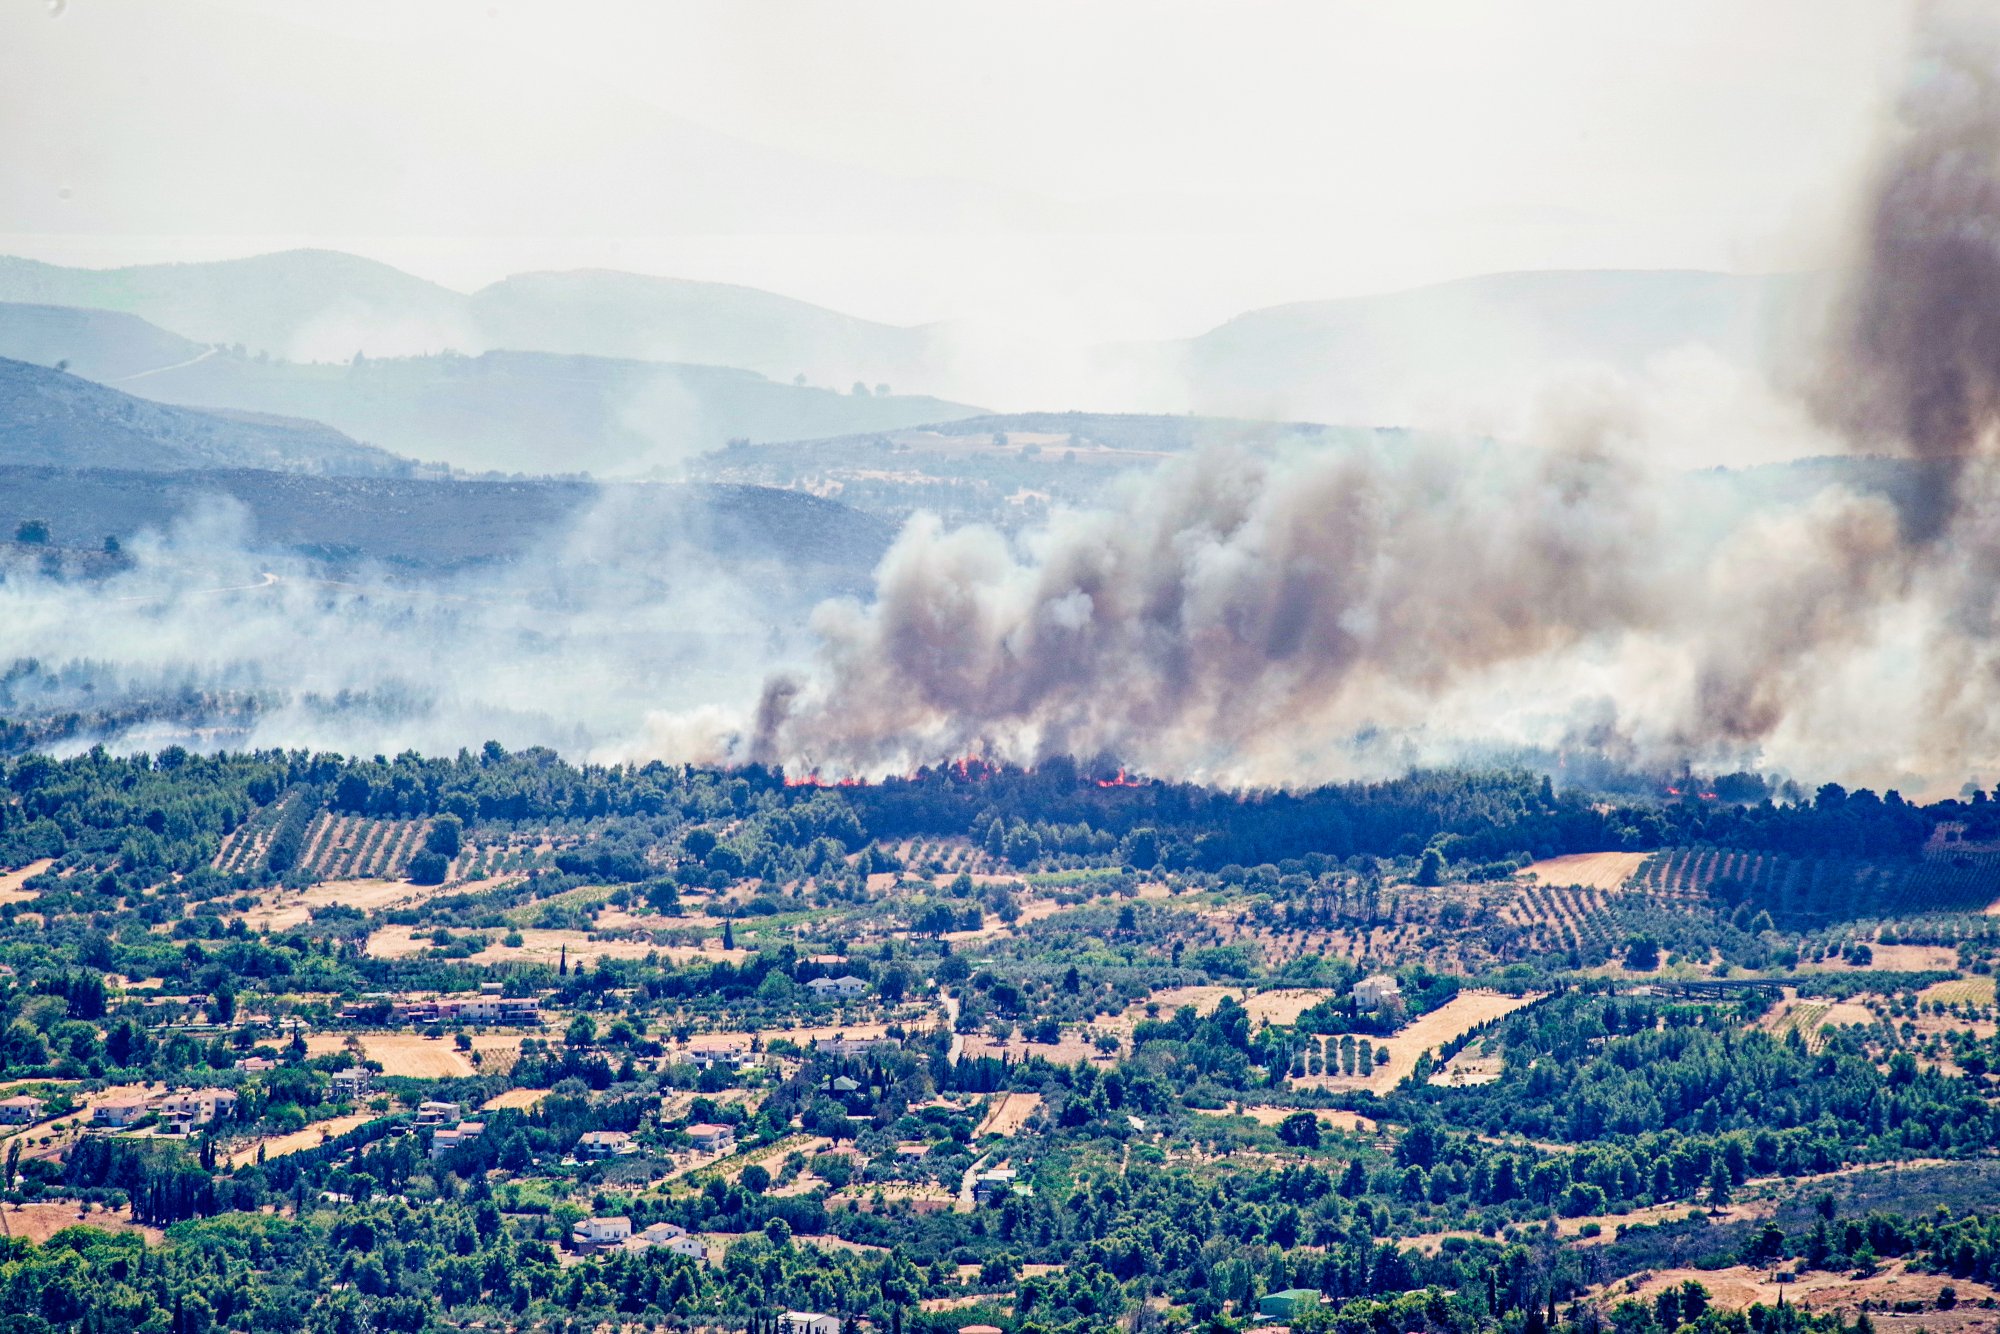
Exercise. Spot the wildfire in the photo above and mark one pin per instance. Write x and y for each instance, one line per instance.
(1120, 781)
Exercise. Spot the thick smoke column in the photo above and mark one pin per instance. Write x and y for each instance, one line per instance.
(1258, 617)
(1915, 358)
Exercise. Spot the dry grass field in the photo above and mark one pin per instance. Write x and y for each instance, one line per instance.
(280, 910)
(1963, 991)
(1463, 1013)
(1742, 1286)
(539, 945)
(412, 1054)
(524, 1100)
(1353, 1123)
(277, 1146)
(1893, 959)
(11, 881)
(1589, 870)
(40, 1221)
(1008, 1113)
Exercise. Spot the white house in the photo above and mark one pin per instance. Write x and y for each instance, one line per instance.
(256, 1064)
(184, 1111)
(1372, 993)
(436, 1113)
(446, 1138)
(349, 1084)
(808, 1322)
(856, 1046)
(20, 1110)
(842, 987)
(709, 1055)
(595, 1234)
(120, 1112)
(712, 1138)
(604, 1143)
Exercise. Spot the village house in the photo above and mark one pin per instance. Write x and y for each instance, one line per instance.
(256, 1064)
(604, 1143)
(808, 1322)
(856, 1046)
(183, 1112)
(707, 1055)
(837, 987)
(1372, 993)
(348, 1085)
(19, 1110)
(712, 1138)
(121, 1111)
(596, 1234)
(670, 1237)
(436, 1113)
(447, 1138)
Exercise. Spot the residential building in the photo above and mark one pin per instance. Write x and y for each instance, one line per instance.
(182, 1112)
(349, 1085)
(857, 1046)
(121, 1111)
(1372, 993)
(20, 1110)
(605, 1143)
(1289, 1303)
(712, 1138)
(709, 1054)
(596, 1234)
(256, 1064)
(808, 1322)
(837, 987)
(446, 1138)
(436, 1113)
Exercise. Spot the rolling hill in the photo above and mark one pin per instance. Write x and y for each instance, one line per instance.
(51, 418)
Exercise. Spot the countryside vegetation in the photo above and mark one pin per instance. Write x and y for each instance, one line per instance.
(300, 1041)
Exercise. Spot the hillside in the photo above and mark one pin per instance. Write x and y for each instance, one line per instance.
(316, 305)
(304, 304)
(103, 345)
(426, 525)
(50, 418)
(1415, 357)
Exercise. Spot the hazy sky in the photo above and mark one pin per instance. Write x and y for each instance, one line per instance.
(1118, 168)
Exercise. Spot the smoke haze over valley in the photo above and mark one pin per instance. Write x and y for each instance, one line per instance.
(1659, 516)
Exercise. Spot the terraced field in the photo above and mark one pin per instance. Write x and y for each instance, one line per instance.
(1801, 893)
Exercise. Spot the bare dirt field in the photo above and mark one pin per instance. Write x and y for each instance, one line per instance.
(11, 881)
(280, 910)
(1352, 1122)
(1893, 959)
(412, 1054)
(539, 945)
(520, 1099)
(1008, 1114)
(1742, 1286)
(1463, 1013)
(277, 1146)
(1588, 870)
(38, 1222)
(1069, 1051)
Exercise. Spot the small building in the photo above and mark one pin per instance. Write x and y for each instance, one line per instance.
(711, 1138)
(446, 1138)
(120, 1111)
(808, 1322)
(182, 1112)
(1372, 993)
(980, 1329)
(604, 1143)
(1289, 1303)
(837, 987)
(694, 1248)
(596, 1234)
(256, 1064)
(711, 1054)
(436, 1113)
(658, 1234)
(349, 1085)
(856, 1046)
(20, 1110)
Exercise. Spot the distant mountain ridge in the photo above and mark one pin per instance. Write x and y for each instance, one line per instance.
(1440, 355)
(51, 418)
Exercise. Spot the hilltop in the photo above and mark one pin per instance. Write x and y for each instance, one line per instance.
(51, 418)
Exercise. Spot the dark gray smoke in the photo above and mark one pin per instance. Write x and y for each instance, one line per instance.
(1280, 617)
(1915, 362)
